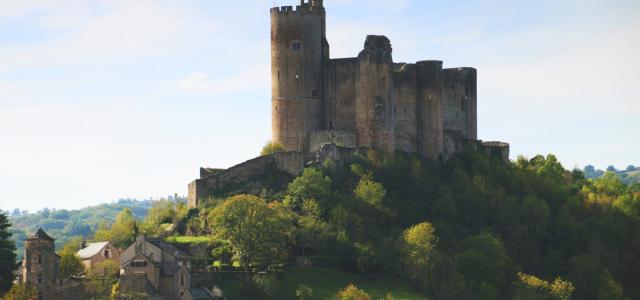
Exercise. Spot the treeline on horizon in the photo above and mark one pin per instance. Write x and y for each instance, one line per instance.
(468, 228)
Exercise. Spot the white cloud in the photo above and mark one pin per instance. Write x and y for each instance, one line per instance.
(200, 82)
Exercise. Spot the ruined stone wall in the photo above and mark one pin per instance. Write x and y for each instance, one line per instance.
(297, 46)
(340, 94)
(499, 150)
(374, 94)
(339, 137)
(429, 109)
(405, 95)
(290, 162)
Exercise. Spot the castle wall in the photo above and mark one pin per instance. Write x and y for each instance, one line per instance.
(340, 94)
(290, 162)
(344, 138)
(374, 94)
(405, 95)
(297, 45)
(429, 109)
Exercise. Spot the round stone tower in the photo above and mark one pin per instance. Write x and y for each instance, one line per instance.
(298, 49)
(374, 100)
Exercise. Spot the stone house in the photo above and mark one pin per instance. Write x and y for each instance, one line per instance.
(94, 254)
(163, 267)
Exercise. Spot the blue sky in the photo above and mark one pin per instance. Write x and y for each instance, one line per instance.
(101, 100)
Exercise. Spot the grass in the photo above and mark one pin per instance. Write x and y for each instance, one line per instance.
(327, 282)
(189, 239)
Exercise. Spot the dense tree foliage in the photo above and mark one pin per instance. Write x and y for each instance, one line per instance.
(271, 148)
(7, 255)
(20, 292)
(70, 262)
(122, 233)
(258, 233)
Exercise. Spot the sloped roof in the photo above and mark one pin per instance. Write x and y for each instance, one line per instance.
(40, 235)
(166, 247)
(91, 250)
(201, 294)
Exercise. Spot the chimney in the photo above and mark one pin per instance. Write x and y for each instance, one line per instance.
(83, 244)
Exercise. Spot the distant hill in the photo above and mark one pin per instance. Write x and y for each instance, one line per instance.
(630, 175)
(64, 224)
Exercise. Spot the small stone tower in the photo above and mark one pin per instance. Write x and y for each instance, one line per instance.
(40, 264)
(298, 50)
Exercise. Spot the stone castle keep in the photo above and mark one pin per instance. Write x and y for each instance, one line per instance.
(368, 101)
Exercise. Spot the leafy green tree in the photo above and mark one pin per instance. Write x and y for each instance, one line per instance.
(370, 191)
(20, 291)
(271, 148)
(609, 288)
(365, 257)
(417, 244)
(352, 292)
(530, 287)
(483, 260)
(257, 232)
(7, 255)
(304, 292)
(100, 285)
(162, 212)
(313, 234)
(312, 184)
(70, 262)
(122, 233)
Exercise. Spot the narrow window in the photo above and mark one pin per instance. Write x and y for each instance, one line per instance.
(330, 125)
(107, 253)
(181, 279)
(314, 93)
(40, 278)
(39, 261)
(39, 295)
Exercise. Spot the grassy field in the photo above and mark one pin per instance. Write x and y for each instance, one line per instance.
(326, 282)
(189, 239)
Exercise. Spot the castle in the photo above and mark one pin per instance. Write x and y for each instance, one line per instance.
(364, 101)
(368, 101)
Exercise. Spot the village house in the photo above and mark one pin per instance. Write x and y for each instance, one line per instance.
(93, 255)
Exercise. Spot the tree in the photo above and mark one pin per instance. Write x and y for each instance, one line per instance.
(257, 232)
(304, 292)
(271, 148)
(7, 255)
(631, 168)
(484, 263)
(161, 212)
(417, 245)
(20, 292)
(530, 287)
(352, 292)
(312, 184)
(313, 234)
(70, 262)
(370, 191)
(102, 278)
(612, 169)
(122, 233)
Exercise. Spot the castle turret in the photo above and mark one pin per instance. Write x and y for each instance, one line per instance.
(374, 98)
(40, 264)
(298, 50)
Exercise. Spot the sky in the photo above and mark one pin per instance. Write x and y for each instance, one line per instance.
(101, 100)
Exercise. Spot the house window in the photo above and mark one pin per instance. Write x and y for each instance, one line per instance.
(39, 259)
(181, 279)
(107, 253)
(40, 278)
(296, 46)
(139, 263)
(40, 296)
